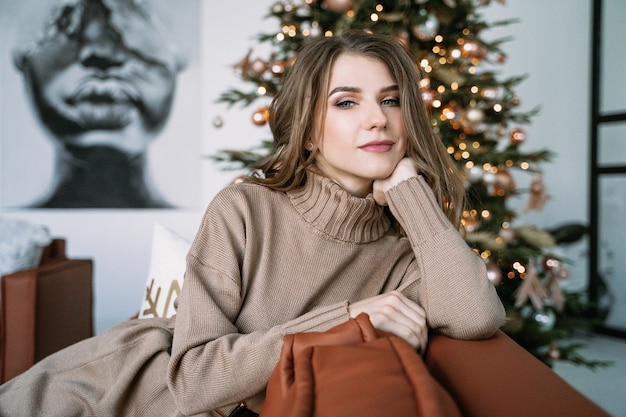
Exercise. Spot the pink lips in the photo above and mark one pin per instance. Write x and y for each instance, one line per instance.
(377, 146)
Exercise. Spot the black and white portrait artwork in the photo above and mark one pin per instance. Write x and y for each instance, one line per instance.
(101, 104)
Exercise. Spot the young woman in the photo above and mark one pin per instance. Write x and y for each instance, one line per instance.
(356, 211)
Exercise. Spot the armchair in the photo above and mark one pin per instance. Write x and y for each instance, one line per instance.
(44, 309)
(497, 377)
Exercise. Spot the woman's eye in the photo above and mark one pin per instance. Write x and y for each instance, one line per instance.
(391, 102)
(345, 104)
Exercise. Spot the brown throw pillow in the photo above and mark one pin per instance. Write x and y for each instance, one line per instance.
(353, 370)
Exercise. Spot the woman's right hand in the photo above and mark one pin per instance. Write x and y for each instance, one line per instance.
(393, 312)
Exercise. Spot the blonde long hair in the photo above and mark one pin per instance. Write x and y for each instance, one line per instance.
(294, 111)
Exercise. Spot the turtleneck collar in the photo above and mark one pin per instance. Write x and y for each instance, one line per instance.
(331, 209)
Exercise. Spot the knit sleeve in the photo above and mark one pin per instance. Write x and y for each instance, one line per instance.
(451, 280)
(212, 363)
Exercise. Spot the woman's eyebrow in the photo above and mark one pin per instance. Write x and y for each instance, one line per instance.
(393, 87)
(344, 89)
(341, 89)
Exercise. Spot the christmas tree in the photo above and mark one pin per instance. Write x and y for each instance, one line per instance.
(475, 113)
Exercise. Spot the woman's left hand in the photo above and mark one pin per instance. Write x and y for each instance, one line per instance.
(403, 171)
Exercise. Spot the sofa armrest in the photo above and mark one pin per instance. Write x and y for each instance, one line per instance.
(64, 305)
(18, 294)
(43, 310)
(497, 377)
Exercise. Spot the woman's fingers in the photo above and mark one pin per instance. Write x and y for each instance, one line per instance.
(394, 313)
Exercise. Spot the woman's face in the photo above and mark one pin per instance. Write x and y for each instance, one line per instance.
(362, 137)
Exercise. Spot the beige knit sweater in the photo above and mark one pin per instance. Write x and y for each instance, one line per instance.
(265, 264)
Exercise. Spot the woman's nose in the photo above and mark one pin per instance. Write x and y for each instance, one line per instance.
(376, 117)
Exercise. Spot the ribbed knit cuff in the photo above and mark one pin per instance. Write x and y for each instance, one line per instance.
(414, 205)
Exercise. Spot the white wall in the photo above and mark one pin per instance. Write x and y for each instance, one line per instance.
(551, 45)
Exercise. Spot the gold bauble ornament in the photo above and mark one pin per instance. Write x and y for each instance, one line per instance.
(339, 6)
(517, 136)
(428, 96)
(551, 263)
(278, 67)
(504, 184)
(473, 49)
(261, 116)
(470, 222)
(490, 93)
(258, 67)
(238, 179)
